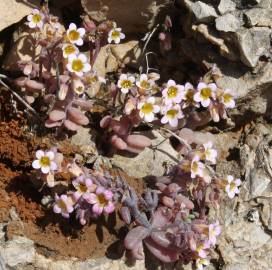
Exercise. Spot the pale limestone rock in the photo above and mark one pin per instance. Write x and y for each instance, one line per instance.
(12, 11)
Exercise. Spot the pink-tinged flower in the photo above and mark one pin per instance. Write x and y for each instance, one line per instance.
(210, 154)
(78, 64)
(125, 83)
(214, 231)
(201, 263)
(35, 19)
(115, 35)
(101, 200)
(63, 205)
(227, 99)
(188, 99)
(147, 109)
(172, 114)
(144, 82)
(173, 93)
(197, 167)
(82, 186)
(75, 34)
(45, 161)
(201, 249)
(232, 186)
(69, 49)
(205, 92)
(78, 86)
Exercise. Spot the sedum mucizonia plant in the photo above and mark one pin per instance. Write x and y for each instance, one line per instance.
(170, 219)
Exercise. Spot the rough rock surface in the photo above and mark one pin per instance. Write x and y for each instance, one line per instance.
(12, 11)
(150, 162)
(133, 16)
(203, 12)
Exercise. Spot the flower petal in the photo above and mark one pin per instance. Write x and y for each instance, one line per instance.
(97, 209)
(40, 154)
(36, 164)
(45, 169)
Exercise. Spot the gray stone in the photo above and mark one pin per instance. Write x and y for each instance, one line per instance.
(226, 6)
(136, 16)
(149, 162)
(19, 250)
(227, 23)
(259, 17)
(253, 44)
(203, 12)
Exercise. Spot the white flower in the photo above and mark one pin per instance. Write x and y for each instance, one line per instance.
(78, 64)
(214, 231)
(144, 82)
(210, 153)
(173, 93)
(227, 99)
(115, 35)
(45, 161)
(148, 109)
(171, 115)
(93, 78)
(188, 98)
(197, 167)
(125, 83)
(69, 49)
(201, 263)
(205, 92)
(75, 34)
(78, 86)
(231, 186)
(35, 19)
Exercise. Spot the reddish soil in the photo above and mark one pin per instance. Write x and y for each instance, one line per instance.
(52, 234)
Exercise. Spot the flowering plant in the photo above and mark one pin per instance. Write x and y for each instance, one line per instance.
(170, 219)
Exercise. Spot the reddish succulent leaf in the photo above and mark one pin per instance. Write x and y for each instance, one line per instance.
(161, 239)
(163, 254)
(105, 121)
(135, 237)
(85, 105)
(50, 124)
(20, 81)
(57, 115)
(138, 252)
(183, 199)
(34, 85)
(71, 125)
(77, 116)
(118, 142)
(134, 149)
(138, 141)
(125, 214)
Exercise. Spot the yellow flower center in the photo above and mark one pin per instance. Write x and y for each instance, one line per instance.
(73, 35)
(194, 167)
(126, 84)
(205, 93)
(172, 92)
(45, 161)
(172, 113)
(82, 188)
(145, 84)
(200, 247)
(77, 65)
(79, 90)
(92, 79)
(36, 18)
(62, 205)
(115, 34)
(227, 98)
(147, 108)
(101, 199)
(232, 186)
(69, 49)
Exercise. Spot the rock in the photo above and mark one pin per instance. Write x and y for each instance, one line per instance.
(226, 6)
(227, 23)
(203, 12)
(132, 16)
(84, 138)
(259, 17)
(149, 162)
(111, 57)
(12, 11)
(19, 250)
(253, 43)
(244, 243)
